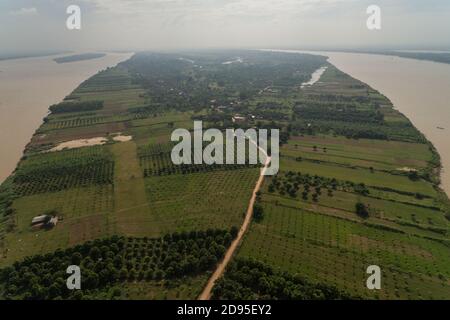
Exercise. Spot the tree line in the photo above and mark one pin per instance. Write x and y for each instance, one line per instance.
(290, 183)
(69, 106)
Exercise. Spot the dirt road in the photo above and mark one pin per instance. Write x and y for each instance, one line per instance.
(206, 294)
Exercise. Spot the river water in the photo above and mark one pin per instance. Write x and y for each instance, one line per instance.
(419, 89)
(27, 88)
(314, 77)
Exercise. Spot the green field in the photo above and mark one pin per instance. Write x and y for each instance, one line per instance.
(358, 185)
(310, 227)
(337, 251)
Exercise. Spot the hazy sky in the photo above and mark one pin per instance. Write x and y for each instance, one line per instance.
(36, 25)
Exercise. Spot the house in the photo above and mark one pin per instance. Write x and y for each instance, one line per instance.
(237, 119)
(44, 221)
(40, 219)
(221, 108)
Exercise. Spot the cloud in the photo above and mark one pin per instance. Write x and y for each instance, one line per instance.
(166, 24)
(24, 12)
(213, 8)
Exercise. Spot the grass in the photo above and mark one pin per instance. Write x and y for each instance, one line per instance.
(380, 155)
(359, 175)
(86, 214)
(199, 200)
(186, 289)
(131, 206)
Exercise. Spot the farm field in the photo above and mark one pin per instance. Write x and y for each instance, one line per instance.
(310, 227)
(380, 155)
(204, 199)
(105, 187)
(126, 198)
(357, 186)
(337, 251)
(185, 289)
(359, 175)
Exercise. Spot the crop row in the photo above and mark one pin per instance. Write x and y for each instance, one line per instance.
(334, 250)
(162, 164)
(62, 174)
(115, 260)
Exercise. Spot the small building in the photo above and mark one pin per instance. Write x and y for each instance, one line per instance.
(238, 119)
(44, 221)
(40, 219)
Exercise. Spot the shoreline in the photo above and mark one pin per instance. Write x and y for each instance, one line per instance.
(23, 103)
(439, 167)
(436, 168)
(405, 97)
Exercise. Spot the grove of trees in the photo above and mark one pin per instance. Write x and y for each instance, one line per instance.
(67, 106)
(107, 262)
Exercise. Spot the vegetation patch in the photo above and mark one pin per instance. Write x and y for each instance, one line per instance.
(247, 279)
(54, 173)
(65, 107)
(107, 262)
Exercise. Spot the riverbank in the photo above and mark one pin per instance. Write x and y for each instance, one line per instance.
(27, 88)
(417, 88)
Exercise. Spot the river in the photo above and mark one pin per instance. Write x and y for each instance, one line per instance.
(419, 89)
(27, 87)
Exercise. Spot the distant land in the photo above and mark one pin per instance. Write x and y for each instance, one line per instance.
(11, 56)
(79, 57)
(441, 56)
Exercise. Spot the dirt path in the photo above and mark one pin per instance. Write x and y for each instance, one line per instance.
(206, 294)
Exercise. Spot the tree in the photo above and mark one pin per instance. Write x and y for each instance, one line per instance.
(305, 195)
(54, 290)
(94, 253)
(361, 210)
(76, 258)
(234, 231)
(90, 280)
(258, 212)
(413, 175)
(123, 273)
(315, 197)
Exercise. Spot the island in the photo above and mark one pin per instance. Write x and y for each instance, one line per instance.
(79, 57)
(358, 186)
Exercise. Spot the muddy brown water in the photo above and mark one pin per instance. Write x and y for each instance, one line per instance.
(27, 88)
